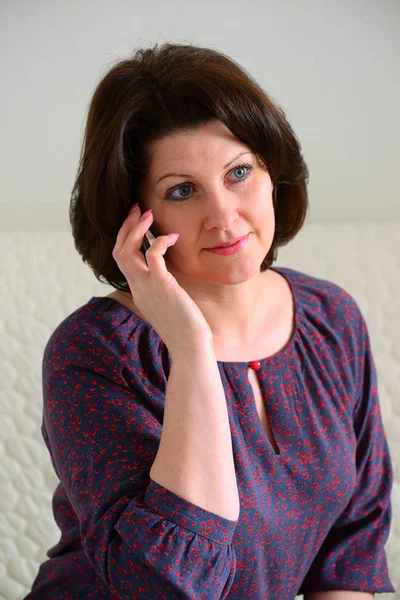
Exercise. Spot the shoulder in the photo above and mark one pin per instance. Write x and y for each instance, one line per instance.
(102, 334)
(322, 298)
(330, 317)
(79, 340)
(327, 311)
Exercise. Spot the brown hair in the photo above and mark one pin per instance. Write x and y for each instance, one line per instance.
(157, 92)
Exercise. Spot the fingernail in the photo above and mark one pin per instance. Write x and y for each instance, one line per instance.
(134, 207)
(146, 214)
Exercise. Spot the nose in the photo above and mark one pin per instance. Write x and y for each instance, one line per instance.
(220, 210)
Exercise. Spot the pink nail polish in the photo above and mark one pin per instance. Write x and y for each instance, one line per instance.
(145, 214)
(133, 208)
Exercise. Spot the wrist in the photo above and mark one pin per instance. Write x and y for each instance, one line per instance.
(196, 350)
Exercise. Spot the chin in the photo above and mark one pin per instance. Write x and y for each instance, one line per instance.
(230, 273)
(222, 270)
(235, 278)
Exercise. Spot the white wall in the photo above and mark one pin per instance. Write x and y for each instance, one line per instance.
(332, 66)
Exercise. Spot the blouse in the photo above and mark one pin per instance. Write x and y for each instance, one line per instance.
(315, 516)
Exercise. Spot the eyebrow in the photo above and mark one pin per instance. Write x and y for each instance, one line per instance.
(190, 176)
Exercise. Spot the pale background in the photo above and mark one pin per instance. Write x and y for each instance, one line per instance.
(332, 66)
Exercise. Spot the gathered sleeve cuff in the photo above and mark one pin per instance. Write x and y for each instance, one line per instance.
(103, 434)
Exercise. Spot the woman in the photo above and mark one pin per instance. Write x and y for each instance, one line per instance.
(214, 422)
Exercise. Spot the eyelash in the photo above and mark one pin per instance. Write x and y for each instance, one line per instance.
(171, 191)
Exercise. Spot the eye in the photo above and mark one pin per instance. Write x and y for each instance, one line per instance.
(187, 186)
(242, 168)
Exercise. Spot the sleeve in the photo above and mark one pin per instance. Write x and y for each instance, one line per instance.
(352, 556)
(143, 540)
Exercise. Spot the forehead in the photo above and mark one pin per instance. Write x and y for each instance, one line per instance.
(206, 141)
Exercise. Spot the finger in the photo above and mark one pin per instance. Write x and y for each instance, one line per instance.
(155, 255)
(132, 217)
(130, 236)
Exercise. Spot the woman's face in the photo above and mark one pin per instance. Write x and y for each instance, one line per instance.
(198, 187)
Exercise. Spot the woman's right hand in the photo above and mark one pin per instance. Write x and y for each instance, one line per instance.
(155, 291)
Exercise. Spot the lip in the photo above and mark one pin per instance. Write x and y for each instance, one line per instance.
(228, 244)
(232, 249)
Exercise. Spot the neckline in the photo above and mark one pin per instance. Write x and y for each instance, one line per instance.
(289, 345)
(263, 361)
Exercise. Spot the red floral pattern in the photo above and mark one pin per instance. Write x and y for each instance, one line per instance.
(316, 516)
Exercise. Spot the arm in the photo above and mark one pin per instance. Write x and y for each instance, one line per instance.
(195, 458)
(103, 422)
(352, 556)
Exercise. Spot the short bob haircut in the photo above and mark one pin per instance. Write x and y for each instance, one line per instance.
(159, 91)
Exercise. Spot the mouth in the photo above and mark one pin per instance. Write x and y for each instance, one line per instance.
(229, 244)
(230, 248)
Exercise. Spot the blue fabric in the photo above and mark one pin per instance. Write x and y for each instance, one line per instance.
(316, 516)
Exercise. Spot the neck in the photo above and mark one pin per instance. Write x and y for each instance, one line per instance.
(237, 317)
(237, 314)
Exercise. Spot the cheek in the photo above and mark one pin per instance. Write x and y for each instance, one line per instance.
(262, 209)
(164, 224)
(175, 219)
(259, 192)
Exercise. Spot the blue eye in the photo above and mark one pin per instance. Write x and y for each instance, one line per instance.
(186, 185)
(241, 168)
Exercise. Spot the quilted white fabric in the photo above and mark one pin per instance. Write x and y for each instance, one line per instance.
(43, 280)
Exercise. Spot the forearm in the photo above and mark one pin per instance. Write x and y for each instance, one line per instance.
(195, 458)
(339, 595)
